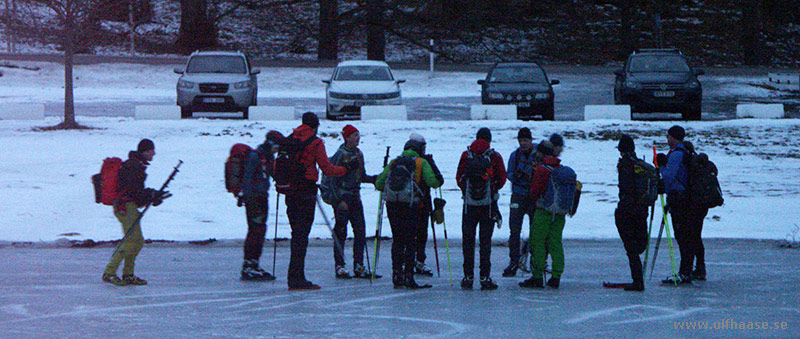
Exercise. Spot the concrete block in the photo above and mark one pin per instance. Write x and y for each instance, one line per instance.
(493, 112)
(610, 112)
(22, 112)
(391, 112)
(272, 113)
(760, 111)
(157, 112)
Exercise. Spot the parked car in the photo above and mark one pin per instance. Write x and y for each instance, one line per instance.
(659, 80)
(522, 84)
(217, 81)
(358, 83)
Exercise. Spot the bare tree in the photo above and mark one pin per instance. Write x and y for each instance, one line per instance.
(376, 36)
(328, 43)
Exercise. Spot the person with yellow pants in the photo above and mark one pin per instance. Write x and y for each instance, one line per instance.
(132, 194)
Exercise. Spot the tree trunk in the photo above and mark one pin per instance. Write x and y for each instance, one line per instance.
(69, 52)
(626, 44)
(328, 48)
(132, 25)
(376, 40)
(196, 30)
(751, 43)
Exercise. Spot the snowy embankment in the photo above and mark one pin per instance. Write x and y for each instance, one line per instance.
(47, 195)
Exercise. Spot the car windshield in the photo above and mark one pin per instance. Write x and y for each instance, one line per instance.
(216, 64)
(517, 74)
(658, 64)
(363, 73)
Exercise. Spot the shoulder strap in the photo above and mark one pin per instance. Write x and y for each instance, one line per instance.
(418, 169)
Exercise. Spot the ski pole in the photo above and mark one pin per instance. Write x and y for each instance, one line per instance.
(655, 252)
(336, 241)
(146, 207)
(446, 243)
(275, 238)
(652, 215)
(669, 241)
(379, 223)
(435, 247)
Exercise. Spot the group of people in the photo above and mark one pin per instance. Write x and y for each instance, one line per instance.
(406, 185)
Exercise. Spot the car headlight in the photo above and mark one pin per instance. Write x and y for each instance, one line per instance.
(633, 84)
(496, 96)
(693, 84)
(540, 96)
(185, 84)
(243, 84)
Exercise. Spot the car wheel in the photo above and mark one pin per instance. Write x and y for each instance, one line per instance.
(246, 113)
(549, 114)
(186, 112)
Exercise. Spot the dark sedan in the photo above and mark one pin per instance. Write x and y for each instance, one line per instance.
(522, 84)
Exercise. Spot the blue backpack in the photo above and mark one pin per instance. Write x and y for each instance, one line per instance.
(559, 197)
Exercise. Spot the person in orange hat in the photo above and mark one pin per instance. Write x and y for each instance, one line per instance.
(344, 194)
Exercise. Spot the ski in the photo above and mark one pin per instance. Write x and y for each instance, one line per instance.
(379, 223)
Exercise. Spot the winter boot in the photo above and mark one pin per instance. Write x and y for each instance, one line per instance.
(511, 270)
(699, 273)
(422, 269)
(113, 279)
(466, 283)
(412, 284)
(361, 272)
(251, 272)
(398, 280)
(303, 285)
(553, 282)
(636, 286)
(488, 284)
(677, 280)
(342, 273)
(133, 280)
(532, 282)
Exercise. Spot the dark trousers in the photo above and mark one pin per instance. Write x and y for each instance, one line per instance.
(631, 223)
(420, 220)
(355, 215)
(402, 220)
(520, 206)
(687, 220)
(300, 210)
(474, 216)
(256, 209)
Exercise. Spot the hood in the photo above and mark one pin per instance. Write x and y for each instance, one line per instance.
(410, 153)
(363, 87)
(134, 155)
(674, 78)
(521, 87)
(215, 77)
(551, 161)
(303, 132)
(479, 146)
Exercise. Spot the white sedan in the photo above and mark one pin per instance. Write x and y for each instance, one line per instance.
(360, 83)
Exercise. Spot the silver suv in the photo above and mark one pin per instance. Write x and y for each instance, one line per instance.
(217, 81)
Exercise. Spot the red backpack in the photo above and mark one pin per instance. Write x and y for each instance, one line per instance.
(234, 168)
(106, 182)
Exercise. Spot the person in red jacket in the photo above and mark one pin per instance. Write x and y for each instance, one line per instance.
(301, 202)
(480, 175)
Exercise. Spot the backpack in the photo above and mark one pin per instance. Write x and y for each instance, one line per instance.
(327, 188)
(401, 182)
(106, 183)
(234, 168)
(645, 180)
(288, 171)
(703, 187)
(559, 197)
(478, 184)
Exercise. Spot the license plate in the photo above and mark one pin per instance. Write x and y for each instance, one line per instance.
(364, 102)
(214, 100)
(523, 104)
(664, 94)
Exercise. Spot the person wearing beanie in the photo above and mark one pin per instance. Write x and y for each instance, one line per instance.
(132, 195)
(558, 144)
(546, 228)
(255, 196)
(481, 174)
(687, 217)
(407, 211)
(344, 194)
(630, 216)
(520, 165)
(301, 200)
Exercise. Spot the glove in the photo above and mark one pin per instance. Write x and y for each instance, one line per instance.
(661, 187)
(438, 211)
(497, 219)
(160, 196)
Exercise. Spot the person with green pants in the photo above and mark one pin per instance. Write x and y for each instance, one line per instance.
(546, 227)
(132, 195)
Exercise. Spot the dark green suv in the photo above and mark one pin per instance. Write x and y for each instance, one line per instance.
(659, 80)
(522, 84)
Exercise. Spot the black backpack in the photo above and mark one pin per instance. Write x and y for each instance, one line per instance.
(703, 187)
(645, 179)
(288, 172)
(400, 184)
(477, 181)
